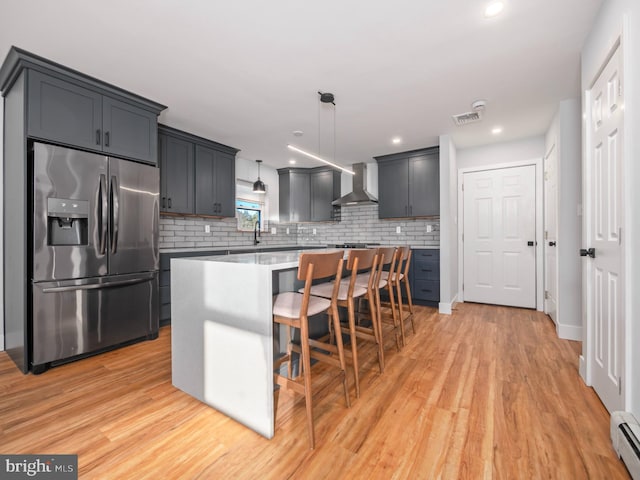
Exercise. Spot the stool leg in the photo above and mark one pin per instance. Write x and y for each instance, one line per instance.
(393, 312)
(354, 345)
(377, 332)
(400, 312)
(306, 369)
(409, 301)
(343, 365)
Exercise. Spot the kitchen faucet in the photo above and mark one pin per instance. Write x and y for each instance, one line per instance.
(256, 232)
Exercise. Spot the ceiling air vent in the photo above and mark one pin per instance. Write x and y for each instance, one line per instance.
(468, 117)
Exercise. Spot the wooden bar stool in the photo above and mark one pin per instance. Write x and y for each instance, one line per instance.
(293, 310)
(387, 269)
(402, 277)
(358, 260)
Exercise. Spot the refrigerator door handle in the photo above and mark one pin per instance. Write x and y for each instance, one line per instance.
(102, 220)
(95, 286)
(115, 213)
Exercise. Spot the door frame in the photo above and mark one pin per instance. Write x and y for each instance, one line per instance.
(587, 357)
(539, 190)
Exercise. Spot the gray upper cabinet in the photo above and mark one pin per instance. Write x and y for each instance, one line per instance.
(176, 175)
(325, 188)
(294, 196)
(64, 112)
(409, 184)
(197, 175)
(306, 194)
(215, 182)
(68, 113)
(129, 131)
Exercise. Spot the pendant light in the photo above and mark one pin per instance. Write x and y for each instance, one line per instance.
(258, 185)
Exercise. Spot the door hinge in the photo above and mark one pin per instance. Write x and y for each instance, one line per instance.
(620, 236)
(546, 294)
(546, 235)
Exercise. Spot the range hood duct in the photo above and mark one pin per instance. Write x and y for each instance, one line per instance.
(359, 195)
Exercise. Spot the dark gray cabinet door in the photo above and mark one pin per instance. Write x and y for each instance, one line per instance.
(205, 181)
(129, 131)
(176, 172)
(424, 185)
(225, 179)
(424, 275)
(323, 192)
(215, 182)
(64, 112)
(393, 181)
(300, 200)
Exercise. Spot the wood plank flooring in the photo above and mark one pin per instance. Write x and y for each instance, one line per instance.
(488, 392)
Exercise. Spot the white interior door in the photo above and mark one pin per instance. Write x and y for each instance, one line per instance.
(499, 236)
(551, 233)
(604, 267)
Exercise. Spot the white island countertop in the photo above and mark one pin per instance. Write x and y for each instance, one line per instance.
(222, 334)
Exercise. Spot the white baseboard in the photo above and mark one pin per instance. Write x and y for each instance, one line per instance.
(446, 308)
(582, 369)
(569, 332)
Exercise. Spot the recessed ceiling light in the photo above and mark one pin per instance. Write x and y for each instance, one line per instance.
(292, 161)
(298, 133)
(496, 130)
(493, 9)
(396, 140)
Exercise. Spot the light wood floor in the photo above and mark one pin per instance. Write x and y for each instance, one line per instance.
(488, 392)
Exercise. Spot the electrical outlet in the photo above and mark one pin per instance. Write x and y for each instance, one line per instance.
(429, 228)
(273, 230)
(314, 231)
(207, 229)
(398, 229)
(287, 230)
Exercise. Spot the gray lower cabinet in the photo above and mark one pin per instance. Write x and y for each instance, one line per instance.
(215, 182)
(197, 176)
(306, 194)
(424, 276)
(409, 184)
(68, 113)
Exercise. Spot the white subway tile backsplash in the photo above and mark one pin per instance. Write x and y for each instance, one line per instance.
(358, 223)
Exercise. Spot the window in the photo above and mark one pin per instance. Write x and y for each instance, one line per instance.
(248, 213)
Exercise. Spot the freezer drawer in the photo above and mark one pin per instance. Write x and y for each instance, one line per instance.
(82, 316)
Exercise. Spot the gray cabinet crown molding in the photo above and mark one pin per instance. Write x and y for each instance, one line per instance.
(195, 139)
(410, 153)
(18, 59)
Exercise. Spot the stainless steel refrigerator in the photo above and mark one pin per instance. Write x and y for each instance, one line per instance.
(94, 258)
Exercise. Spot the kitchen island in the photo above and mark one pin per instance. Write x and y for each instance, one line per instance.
(222, 336)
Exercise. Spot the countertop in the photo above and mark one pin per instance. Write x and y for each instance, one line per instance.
(270, 260)
(252, 248)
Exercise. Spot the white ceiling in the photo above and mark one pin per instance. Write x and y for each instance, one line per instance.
(245, 73)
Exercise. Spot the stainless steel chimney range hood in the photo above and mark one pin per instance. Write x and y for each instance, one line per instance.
(359, 195)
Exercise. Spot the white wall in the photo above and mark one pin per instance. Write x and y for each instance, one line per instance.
(448, 225)
(565, 133)
(616, 17)
(248, 170)
(498, 153)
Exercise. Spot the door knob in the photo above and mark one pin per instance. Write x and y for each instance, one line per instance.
(552, 244)
(588, 252)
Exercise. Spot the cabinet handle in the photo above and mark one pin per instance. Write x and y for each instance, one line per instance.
(425, 290)
(98, 137)
(164, 202)
(410, 209)
(426, 270)
(106, 139)
(169, 202)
